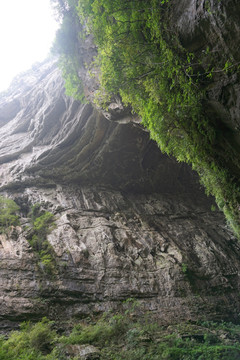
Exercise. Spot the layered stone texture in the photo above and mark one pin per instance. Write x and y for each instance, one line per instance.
(130, 221)
(171, 252)
(50, 138)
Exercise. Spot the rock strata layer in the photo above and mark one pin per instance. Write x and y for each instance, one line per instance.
(130, 221)
(167, 250)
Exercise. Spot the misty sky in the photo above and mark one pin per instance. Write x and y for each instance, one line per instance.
(27, 29)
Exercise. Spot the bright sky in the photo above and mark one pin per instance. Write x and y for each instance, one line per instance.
(27, 29)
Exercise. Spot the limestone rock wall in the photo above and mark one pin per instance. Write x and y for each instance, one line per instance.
(171, 252)
(50, 138)
(130, 221)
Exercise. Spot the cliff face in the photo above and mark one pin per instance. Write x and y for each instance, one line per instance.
(48, 138)
(209, 29)
(130, 221)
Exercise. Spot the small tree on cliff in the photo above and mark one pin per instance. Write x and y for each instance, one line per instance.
(8, 213)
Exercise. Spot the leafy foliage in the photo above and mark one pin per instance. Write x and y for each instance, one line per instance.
(120, 337)
(99, 333)
(73, 84)
(42, 225)
(8, 213)
(66, 45)
(33, 342)
(66, 37)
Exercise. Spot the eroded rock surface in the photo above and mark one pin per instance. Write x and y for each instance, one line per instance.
(51, 138)
(169, 251)
(130, 221)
